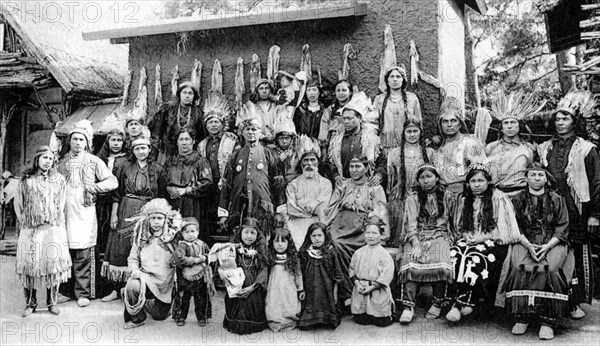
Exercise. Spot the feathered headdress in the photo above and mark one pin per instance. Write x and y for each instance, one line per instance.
(580, 103)
(246, 115)
(138, 227)
(517, 105)
(282, 123)
(308, 145)
(361, 104)
(217, 106)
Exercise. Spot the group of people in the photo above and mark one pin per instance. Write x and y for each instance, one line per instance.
(306, 196)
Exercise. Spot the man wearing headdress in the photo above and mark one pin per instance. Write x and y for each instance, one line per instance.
(575, 164)
(395, 106)
(359, 138)
(266, 107)
(510, 155)
(458, 150)
(307, 195)
(217, 147)
(172, 116)
(252, 184)
(87, 175)
(286, 141)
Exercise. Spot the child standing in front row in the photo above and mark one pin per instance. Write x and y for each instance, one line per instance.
(372, 271)
(285, 289)
(322, 275)
(245, 314)
(194, 276)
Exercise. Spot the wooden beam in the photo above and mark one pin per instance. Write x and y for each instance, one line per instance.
(590, 7)
(259, 17)
(589, 22)
(32, 48)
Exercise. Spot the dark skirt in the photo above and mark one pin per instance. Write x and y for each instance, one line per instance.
(118, 248)
(347, 232)
(539, 288)
(103, 211)
(319, 306)
(477, 269)
(246, 315)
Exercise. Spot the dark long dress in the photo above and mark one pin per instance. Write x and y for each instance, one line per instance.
(191, 171)
(104, 203)
(247, 315)
(320, 275)
(165, 125)
(136, 188)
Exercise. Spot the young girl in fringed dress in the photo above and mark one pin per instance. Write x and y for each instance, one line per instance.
(427, 235)
(286, 289)
(43, 260)
(322, 275)
(402, 165)
(245, 314)
(372, 271)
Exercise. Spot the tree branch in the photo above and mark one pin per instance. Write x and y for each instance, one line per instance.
(533, 81)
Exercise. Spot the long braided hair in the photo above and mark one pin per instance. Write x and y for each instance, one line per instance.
(410, 122)
(487, 221)
(422, 195)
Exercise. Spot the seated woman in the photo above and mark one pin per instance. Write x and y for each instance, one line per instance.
(152, 263)
(350, 205)
(541, 268)
(424, 255)
(486, 219)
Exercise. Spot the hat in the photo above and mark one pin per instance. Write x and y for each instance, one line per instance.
(283, 124)
(308, 145)
(217, 107)
(536, 166)
(517, 105)
(157, 206)
(263, 81)
(452, 105)
(361, 104)
(189, 221)
(140, 141)
(480, 166)
(250, 222)
(85, 128)
(577, 103)
(374, 220)
(138, 227)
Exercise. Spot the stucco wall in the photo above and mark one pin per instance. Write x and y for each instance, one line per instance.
(410, 19)
(451, 73)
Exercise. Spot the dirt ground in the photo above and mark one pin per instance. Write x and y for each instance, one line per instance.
(102, 324)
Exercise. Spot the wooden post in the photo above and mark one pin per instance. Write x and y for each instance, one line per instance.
(6, 113)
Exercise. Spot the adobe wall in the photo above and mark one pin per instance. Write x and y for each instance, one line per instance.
(410, 19)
